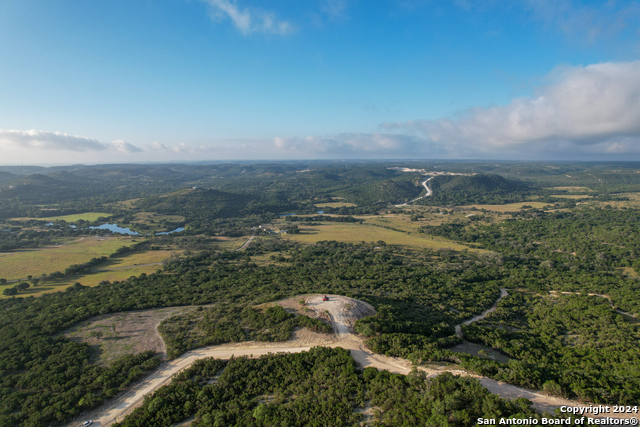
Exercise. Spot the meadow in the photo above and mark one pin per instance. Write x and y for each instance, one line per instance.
(46, 260)
(120, 268)
(335, 205)
(509, 207)
(87, 216)
(356, 233)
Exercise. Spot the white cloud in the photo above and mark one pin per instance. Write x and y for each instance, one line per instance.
(38, 140)
(597, 105)
(335, 9)
(43, 140)
(180, 148)
(125, 147)
(249, 20)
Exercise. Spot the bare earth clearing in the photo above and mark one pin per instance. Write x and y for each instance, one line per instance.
(343, 312)
(114, 335)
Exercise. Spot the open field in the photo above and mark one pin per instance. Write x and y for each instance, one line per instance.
(20, 264)
(113, 335)
(91, 279)
(355, 233)
(633, 202)
(87, 216)
(120, 268)
(510, 207)
(629, 271)
(335, 205)
(571, 196)
(571, 189)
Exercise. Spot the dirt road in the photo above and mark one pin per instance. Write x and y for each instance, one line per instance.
(429, 192)
(343, 312)
(245, 243)
(503, 293)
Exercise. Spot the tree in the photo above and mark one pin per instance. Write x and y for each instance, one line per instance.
(23, 286)
(10, 291)
(3, 281)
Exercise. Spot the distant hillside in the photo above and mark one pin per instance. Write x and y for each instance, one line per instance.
(206, 204)
(44, 189)
(384, 192)
(475, 189)
(7, 177)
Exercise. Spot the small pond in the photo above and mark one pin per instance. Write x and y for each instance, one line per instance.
(122, 230)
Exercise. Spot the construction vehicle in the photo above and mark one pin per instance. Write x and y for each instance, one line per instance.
(325, 298)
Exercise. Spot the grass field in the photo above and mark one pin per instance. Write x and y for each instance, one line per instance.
(571, 196)
(355, 233)
(20, 264)
(572, 189)
(86, 279)
(87, 216)
(335, 205)
(510, 207)
(629, 271)
(121, 268)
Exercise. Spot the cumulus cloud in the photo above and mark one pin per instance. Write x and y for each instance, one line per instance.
(597, 105)
(125, 147)
(44, 140)
(58, 141)
(180, 148)
(249, 20)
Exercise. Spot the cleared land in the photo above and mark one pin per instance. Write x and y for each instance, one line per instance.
(335, 205)
(510, 207)
(87, 216)
(114, 335)
(571, 196)
(572, 189)
(355, 233)
(20, 264)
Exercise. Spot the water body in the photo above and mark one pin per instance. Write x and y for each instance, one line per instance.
(115, 229)
(49, 224)
(177, 230)
(123, 230)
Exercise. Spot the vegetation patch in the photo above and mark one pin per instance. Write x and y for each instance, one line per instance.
(217, 325)
(318, 387)
(47, 260)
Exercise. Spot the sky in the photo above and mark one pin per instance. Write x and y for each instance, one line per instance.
(208, 80)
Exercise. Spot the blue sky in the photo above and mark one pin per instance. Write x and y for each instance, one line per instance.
(181, 80)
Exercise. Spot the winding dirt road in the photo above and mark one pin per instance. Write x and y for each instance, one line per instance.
(343, 312)
(503, 293)
(429, 192)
